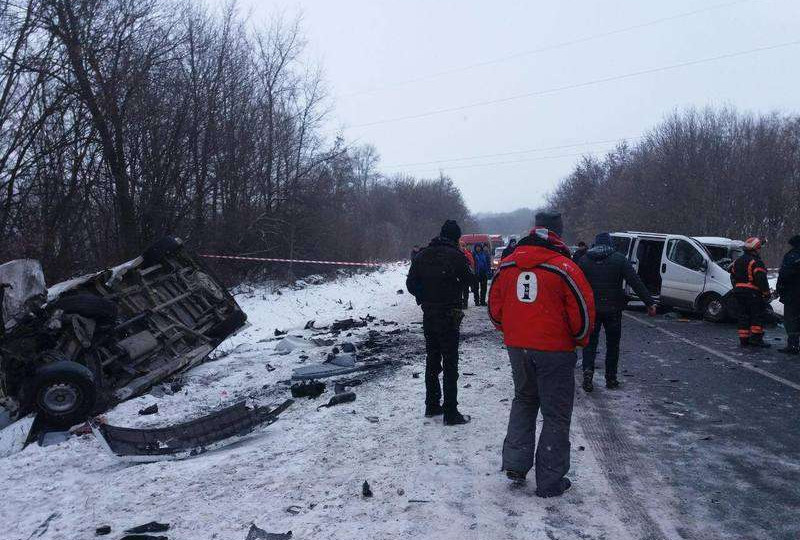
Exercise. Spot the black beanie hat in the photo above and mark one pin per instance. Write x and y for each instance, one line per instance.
(551, 221)
(794, 241)
(451, 230)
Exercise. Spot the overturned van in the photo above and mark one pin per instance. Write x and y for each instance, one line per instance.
(680, 272)
(83, 345)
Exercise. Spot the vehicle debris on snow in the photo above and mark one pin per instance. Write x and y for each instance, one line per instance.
(189, 438)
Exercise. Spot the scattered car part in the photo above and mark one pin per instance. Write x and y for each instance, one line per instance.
(309, 389)
(323, 371)
(259, 534)
(337, 399)
(189, 438)
(14, 436)
(366, 490)
(152, 409)
(292, 343)
(153, 526)
(143, 537)
(103, 530)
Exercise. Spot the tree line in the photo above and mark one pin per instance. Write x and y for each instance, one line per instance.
(700, 173)
(125, 120)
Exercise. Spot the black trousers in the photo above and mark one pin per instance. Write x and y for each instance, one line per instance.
(612, 322)
(481, 281)
(441, 327)
(791, 321)
(751, 313)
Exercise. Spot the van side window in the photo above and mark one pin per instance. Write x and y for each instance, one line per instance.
(685, 254)
(621, 244)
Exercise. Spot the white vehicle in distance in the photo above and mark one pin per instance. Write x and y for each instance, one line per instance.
(680, 272)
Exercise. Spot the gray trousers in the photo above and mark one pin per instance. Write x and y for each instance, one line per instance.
(542, 381)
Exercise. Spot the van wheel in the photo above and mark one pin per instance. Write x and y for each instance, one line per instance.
(64, 393)
(714, 308)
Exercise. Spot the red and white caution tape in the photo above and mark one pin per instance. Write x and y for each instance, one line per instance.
(262, 259)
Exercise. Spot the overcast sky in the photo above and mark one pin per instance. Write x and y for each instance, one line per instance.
(389, 59)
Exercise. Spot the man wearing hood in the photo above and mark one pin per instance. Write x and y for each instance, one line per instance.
(544, 307)
(509, 249)
(605, 268)
(788, 288)
(437, 279)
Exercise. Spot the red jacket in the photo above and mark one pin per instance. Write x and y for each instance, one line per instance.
(540, 299)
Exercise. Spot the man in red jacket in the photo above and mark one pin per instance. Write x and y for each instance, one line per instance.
(543, 305)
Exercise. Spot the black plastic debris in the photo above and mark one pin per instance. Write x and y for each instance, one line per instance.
(152, 409)
(347, 324)
(143, 537)
(102, 530)
(259, 534)
(152, 527)
(400, 291)
(188, 438)
(310, 389)
(309, 325)
(366, 491)
(281, 332)
(344, 397)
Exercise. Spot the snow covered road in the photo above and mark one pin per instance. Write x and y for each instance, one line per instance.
(305, 472)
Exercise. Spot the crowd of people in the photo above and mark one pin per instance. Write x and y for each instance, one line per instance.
(548, 302)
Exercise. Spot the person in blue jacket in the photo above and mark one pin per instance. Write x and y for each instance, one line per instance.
(483, 266)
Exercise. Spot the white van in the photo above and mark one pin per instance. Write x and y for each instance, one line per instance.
(679, 272)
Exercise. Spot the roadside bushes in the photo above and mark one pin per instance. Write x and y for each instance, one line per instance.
(701, 173)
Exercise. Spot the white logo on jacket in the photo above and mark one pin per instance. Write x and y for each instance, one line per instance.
(527, 287)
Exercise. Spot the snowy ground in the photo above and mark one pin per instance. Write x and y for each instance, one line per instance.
(305, 472)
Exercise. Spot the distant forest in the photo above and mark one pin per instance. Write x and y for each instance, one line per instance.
(512, 223)
(701, 173)
(122, 121)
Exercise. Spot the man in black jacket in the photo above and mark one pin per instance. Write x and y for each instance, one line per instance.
(509, 249)
(437, 278)
(788, 288)
(605, 268)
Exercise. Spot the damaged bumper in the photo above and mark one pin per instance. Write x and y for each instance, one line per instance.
(187, 439)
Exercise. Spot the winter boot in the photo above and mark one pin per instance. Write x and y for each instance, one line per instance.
(744, 342)
(517, 478)
(588, 385)
(563, 486)
(790, 349)
(612, 383)
(757, 340)
(433, 410)
(456, 419)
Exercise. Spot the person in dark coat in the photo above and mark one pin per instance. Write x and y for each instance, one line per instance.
(414, 252)
(437, 279)
(605, 268)
(483, 265)
(751, 290)
(509, 249)
(788, 289)
(580, 252)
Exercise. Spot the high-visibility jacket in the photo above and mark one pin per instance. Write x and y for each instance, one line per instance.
(750, 272)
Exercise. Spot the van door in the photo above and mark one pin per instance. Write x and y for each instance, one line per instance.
(683, 272)
(646, 260)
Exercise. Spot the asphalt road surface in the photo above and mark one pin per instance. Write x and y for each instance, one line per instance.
(701, 429)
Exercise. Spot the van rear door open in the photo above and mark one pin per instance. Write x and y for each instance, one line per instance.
(683, 272)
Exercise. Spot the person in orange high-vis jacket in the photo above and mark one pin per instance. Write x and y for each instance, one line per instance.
(544, 306)
(751, 290)
(471, 285)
